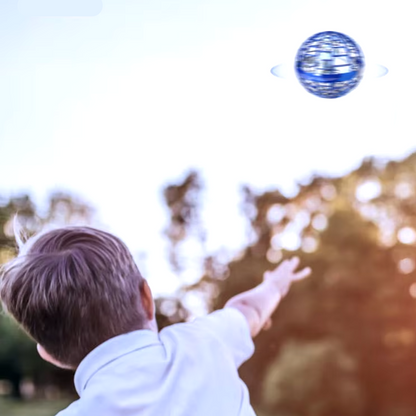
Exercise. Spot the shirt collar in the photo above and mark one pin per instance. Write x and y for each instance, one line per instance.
(109, 351)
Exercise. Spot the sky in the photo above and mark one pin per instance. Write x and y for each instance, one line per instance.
(113, 99)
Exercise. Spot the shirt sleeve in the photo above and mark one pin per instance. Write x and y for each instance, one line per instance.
(228, 327)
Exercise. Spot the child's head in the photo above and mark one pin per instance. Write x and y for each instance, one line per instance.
(74, 288)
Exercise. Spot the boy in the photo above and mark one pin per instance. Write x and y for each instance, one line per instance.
(78, 292)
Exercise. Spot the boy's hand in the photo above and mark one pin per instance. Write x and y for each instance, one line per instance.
(284, 274)
(259, 303)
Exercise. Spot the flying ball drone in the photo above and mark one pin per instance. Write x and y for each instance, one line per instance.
(329, 65)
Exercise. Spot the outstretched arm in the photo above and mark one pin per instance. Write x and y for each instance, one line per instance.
(258, 304)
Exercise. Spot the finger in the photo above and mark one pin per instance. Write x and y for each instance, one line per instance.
(303, 273)
(269, 274)
(294, 263)
(287, 264)
(284, 263)
(282, 266)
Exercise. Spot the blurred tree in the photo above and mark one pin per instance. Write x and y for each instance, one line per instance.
(358, 233)
(170, 310)
(183, 202)
(318, 373)
(185, 233)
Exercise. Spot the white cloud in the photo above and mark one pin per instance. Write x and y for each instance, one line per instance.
(60, 7)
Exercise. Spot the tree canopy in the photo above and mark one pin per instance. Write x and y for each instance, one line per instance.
(347, 334)
(344, 340)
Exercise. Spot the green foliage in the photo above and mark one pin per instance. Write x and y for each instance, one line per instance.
(344, 340)
(44, 408)
(17, 347)
(319, 373)
(183, 202)
(170, 310)
(358, 234)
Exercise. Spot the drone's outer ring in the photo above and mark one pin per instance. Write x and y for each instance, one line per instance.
(281, 70)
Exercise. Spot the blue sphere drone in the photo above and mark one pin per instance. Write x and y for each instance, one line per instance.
(329, 64)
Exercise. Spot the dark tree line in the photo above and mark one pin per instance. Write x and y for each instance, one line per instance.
(343, 341)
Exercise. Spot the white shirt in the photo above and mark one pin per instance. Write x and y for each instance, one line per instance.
(187, 369)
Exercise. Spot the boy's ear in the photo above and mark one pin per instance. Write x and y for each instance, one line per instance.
(147, 300)
(47, 357)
